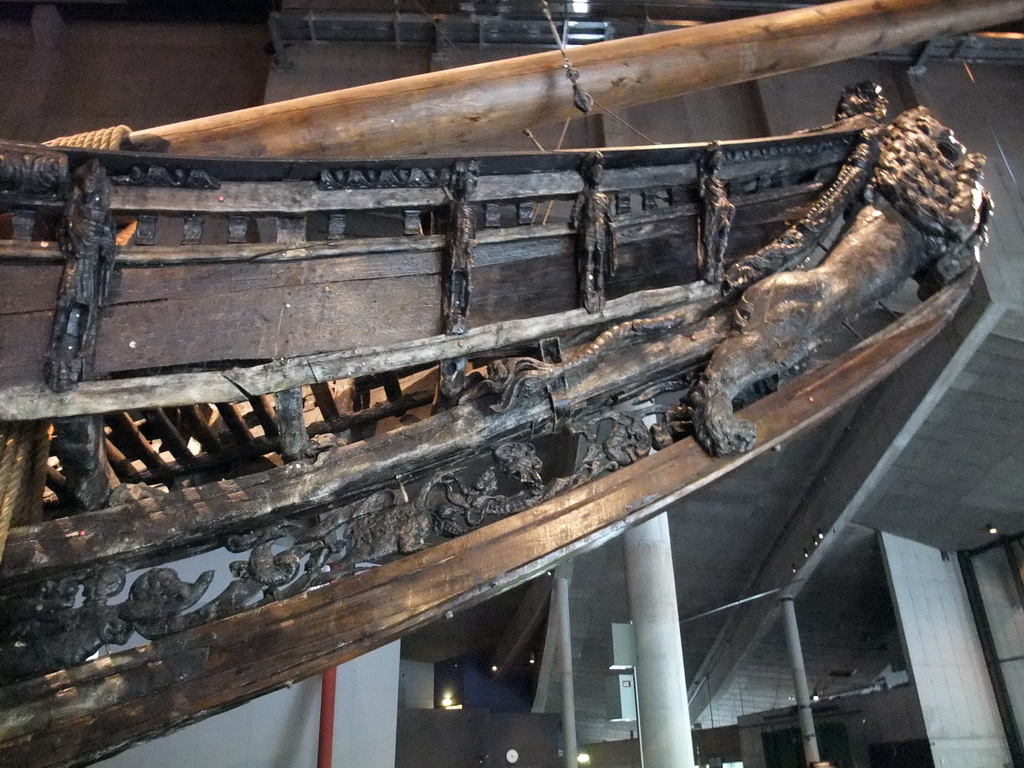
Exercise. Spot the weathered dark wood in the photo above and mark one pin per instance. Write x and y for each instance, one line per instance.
(239, 431)
(195, 423)
(241, 303)
(323, 395)
(34, 401)
(87, 243)
(79, 444)
(291, 425)
(265, 415)
(101, 707)
(124, 433)
(170, 438)
(192, 516)
(122, 467)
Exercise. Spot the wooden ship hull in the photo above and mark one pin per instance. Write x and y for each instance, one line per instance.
(460, 370)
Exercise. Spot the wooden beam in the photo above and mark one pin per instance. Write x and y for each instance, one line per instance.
(99, 708)
(80, 445)
(22, 402)
(426, 112)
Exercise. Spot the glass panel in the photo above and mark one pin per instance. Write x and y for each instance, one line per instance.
(1002, 605)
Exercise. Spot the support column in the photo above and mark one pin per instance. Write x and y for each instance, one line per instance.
(803, 695)
(944, 656)
(664, 718)
(565, 666)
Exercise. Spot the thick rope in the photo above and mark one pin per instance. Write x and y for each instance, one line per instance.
(104, 138)
(24, 450)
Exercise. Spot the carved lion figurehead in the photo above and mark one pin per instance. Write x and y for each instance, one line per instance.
(928, 176)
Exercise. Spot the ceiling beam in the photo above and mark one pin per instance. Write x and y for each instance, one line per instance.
(522, 629)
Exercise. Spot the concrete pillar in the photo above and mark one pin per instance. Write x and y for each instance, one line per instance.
(803, 695)
(944, 656)
(565, 666)
(664, 717)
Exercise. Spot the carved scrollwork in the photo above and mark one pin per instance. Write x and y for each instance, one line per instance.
(161, 176)
(62, 622)
(27, 170)
(384, 178)
(455, 507)
(525, 377)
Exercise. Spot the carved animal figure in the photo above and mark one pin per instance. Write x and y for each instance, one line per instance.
(924, 215)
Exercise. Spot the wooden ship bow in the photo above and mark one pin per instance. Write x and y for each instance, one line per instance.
(395, 386)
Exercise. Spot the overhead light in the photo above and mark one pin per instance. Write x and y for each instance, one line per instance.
(533, 660)
(582, 758)
(820, 535)
(494, 669)
(992, 529)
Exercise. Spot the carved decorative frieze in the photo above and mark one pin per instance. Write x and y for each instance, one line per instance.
(384, 178)
(457, 508)
(30, 171)
(161, 176)
(61, 622)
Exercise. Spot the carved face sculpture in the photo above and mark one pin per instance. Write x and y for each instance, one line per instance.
(928, 176)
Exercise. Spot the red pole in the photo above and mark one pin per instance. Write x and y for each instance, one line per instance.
(325, 746)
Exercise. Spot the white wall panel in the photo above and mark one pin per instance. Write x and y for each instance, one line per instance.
(944, 656)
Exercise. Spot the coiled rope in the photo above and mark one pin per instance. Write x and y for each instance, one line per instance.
(104, 138)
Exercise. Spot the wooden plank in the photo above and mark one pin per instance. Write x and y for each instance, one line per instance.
(124, 433)
(291, 425)
(170, 438)
(101, 707)
(24, 339)
(28, 286)
(323, 396)
(26, 400)
(267, 324)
